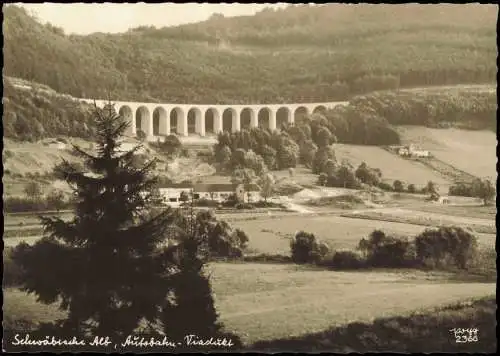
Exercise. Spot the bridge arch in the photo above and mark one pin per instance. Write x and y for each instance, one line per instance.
(229, 120)
(320, 109)
(300, 113)
(283, 117)
(194, 122)
(126, 113)
(160, 122)
(177, 121)
(247, 119)
(212, 121)
(143, 121)
(264, 118)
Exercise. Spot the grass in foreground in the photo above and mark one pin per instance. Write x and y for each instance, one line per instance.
(271, 301)
(274, 301)
(423, 332)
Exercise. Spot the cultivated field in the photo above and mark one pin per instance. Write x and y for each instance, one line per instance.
(481, 212)
(423, 218)
(271, 232)
(267, 301)
(392, 166)
(471, 151)
(272, 236)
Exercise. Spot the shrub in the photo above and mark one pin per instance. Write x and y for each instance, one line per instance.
(231, 201)
(222, 241)
(206, 203)
(411, 188)
(398, 186)
(244, 206)
(268, 258)
(387, 251)
(240, 238)
(307, 249)
(347, 260)
(446, 246)
(267, 204)
(385, 186)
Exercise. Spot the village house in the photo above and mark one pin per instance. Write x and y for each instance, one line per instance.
(412, 151)
(220, 192)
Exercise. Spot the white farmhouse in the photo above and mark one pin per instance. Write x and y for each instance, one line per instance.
(171, 193)
(413, 151)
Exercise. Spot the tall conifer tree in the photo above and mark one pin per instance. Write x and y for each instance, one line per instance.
(109, 267)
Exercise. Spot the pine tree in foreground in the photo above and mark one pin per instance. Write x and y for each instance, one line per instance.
(109, 267)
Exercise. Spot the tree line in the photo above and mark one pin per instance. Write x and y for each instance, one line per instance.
(478, 188)
(446, 247)
(317, 54)
(462, 108)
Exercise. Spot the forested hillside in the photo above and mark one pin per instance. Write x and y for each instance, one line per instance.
(300, 54)
(33, 111)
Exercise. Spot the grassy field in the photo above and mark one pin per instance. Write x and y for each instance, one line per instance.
(392, 166)
(481, 212)
(269, 301)
(471, 151)
(273, 235)
(34, 157)
(429, 331)
(486, 226)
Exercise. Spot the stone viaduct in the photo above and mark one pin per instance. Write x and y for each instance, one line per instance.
(157, 120)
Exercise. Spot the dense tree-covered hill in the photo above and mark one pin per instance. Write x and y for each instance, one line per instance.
(300, 53)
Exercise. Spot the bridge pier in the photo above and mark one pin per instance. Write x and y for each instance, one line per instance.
(164, 128)
(182, 126)
(236, 124)
(200, 123)
(272, 119)
(254, 121)
(217, 122)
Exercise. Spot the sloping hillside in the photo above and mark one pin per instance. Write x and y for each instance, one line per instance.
(470, 151)
(392, 166)
(300, 53)
(32, 111)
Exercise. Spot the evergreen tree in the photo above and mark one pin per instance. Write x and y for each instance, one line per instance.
(109, 266)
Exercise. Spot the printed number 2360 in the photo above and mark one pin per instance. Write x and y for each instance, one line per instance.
(465, 338)
(462, 336)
